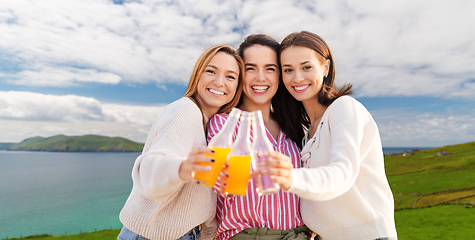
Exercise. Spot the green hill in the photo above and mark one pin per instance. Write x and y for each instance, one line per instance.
(425, 179)
(5, 146)
(86, 143)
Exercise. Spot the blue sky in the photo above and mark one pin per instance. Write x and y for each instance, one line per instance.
(108, 67)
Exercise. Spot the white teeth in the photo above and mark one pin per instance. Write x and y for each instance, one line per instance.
(216, 92)
(301, 87)
(260, 88)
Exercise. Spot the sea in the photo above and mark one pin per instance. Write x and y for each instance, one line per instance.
(61, 193)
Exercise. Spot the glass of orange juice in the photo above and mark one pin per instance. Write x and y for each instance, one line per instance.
(240, 159)
(221, 144)
(209, 178)
(239, 168)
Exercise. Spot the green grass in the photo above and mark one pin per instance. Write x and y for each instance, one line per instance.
(429, 182)
(404, 200)
(442, 197)
(99, 235)
(437, 222)
(424, 173)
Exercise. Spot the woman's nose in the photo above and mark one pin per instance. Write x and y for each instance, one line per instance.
(219, 80)
(261, 76)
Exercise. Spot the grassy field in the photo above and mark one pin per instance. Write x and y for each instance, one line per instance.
(434, 196)
(99, 235)
(424, 179)
(437, 222)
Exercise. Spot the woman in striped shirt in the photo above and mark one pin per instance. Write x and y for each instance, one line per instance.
(252, 216)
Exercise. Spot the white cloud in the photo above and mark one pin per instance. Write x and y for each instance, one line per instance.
(400, 128)
(27, 114)
(403, 48)
(37, 106)
(29, 106)
(16, 131)
(65, 76)
(135, 115)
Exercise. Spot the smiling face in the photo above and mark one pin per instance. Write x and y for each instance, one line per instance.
(303, 72)
(218, 83)
(261, 76)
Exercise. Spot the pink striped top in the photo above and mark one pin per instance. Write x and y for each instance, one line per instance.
(277, 211)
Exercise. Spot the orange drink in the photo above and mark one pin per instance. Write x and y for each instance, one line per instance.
(239, 167)
(209, 178)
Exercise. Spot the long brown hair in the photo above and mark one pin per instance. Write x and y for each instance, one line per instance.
(199, 68)
(289, 112)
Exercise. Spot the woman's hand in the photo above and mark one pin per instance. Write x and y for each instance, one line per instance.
(221, 184)
(192, 164)
(279, 168)
(222, 180)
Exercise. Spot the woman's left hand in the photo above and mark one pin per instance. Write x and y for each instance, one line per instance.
(279, 168)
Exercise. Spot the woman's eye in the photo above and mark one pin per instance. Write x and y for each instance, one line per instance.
(210, 71)
(271, 69)
(288, 70)
(307, 68)
(231, 77)
(249, 69)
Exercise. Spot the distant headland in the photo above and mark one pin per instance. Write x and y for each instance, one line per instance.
(86, 143)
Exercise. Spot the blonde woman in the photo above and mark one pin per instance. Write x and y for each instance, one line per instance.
(166, 202)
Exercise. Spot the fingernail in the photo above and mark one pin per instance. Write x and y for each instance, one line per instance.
(207, 168)
(212, 160)
(212, 150)
(225, 184)
(227, 175)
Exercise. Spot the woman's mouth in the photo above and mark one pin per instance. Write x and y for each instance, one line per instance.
(216, 92)
(260, 89)
(301, 88)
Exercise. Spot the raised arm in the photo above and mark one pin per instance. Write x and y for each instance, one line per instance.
(176, 133)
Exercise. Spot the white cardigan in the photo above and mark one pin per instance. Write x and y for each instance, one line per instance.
(343, 186)
(161, 205)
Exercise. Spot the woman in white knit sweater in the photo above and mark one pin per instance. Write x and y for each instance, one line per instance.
(165, 201)
(343, 187)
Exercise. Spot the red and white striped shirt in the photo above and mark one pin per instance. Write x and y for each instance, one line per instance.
(277, 211)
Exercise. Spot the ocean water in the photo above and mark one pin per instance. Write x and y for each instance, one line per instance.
(62, 193)
(389, 150)
(67, 193)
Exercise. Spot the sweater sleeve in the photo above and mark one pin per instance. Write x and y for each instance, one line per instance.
(175, 133)
(346, 125)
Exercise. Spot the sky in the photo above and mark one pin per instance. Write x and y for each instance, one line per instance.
(108, 67)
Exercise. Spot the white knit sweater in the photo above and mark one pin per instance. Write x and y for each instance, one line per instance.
(343, 186)
(161, 206)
